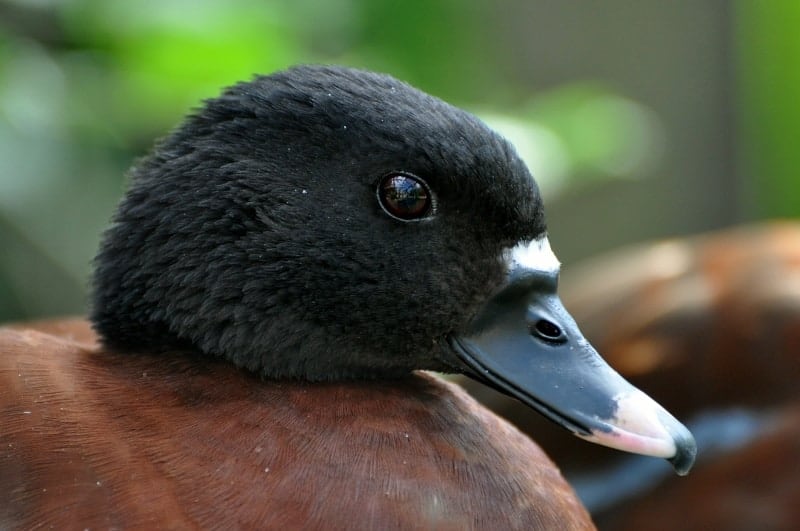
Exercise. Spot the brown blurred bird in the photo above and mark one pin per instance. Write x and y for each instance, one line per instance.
(710, 326)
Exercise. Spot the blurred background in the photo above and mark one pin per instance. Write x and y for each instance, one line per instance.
(639, 119)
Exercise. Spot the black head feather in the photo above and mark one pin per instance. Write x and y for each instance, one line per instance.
(253, 231)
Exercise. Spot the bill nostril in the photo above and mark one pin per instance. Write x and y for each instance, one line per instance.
(547, 330)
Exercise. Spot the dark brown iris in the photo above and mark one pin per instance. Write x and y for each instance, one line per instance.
(404, 196)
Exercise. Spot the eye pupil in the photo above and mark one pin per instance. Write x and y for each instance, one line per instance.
(404, 196)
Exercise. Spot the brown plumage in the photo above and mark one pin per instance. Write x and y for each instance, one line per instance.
(93, 439)
(725, 305)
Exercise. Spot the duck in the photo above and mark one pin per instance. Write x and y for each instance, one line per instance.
(727, 304)
(279, 285)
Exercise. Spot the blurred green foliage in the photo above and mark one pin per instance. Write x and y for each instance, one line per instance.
(769, 81)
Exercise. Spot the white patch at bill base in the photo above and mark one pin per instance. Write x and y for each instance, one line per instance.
(536, 255)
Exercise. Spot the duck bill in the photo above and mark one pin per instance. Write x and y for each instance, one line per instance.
(525, 344)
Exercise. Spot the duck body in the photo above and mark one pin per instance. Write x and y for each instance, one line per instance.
(94, 439)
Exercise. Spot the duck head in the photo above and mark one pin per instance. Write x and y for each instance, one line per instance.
(325, 223)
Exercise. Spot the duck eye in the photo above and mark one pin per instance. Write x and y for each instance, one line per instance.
(405, 196)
